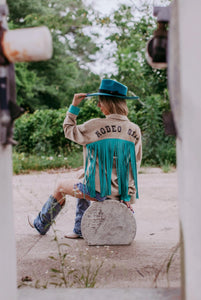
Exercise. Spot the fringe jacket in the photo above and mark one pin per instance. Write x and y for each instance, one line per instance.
(112, 152)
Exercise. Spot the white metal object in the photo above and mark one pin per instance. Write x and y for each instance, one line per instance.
(29, 44)
(185, 89)
(190, 190)
(8, 273)
(8, 278)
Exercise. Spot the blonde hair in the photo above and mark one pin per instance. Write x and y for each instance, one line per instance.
(114, 105)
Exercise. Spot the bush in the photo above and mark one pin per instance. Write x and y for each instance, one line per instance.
(157, 148)
(42, 131)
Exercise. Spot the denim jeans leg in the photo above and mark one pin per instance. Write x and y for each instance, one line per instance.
(82, 205)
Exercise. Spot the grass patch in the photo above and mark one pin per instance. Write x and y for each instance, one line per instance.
(167, 167)
(24, 163)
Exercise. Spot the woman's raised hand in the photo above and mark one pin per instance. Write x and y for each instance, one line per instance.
(78, 98)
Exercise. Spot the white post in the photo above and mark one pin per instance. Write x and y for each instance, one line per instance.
(190, 50)
(185, 87)
(8, 280)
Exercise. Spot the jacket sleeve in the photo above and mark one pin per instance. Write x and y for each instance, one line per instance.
(138, 150)
(72, 131)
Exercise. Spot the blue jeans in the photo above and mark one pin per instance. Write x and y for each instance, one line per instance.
(82, 205)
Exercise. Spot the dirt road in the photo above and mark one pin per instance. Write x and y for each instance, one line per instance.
(142, 264)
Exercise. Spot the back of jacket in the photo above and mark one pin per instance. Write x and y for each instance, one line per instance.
(113, 127)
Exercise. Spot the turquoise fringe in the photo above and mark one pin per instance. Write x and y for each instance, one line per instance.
(105, 151)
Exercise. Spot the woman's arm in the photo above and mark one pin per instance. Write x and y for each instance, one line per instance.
(72, 131)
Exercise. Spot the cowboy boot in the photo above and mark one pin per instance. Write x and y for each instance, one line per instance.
(47, 215)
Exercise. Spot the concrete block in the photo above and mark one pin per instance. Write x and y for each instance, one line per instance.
(27, 293)
(108, 223)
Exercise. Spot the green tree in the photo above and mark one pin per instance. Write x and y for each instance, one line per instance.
(133, 30)
(51, 84)
(131, 37)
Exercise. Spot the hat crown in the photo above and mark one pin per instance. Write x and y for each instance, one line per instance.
(113, 87)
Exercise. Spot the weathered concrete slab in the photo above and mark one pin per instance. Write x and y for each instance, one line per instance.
(132, 266)
(108, 223)
(100, 294)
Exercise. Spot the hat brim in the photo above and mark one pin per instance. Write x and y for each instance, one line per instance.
(103, 94)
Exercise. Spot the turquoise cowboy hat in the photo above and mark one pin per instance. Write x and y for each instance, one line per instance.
(109, 87)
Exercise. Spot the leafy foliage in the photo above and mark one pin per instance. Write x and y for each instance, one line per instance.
(51, 84)
(42, 131)
(158, 149)
(131, 37)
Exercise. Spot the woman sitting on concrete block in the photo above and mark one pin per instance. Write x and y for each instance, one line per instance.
(112, 150)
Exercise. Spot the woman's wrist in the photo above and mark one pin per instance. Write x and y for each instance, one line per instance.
(74, 109)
